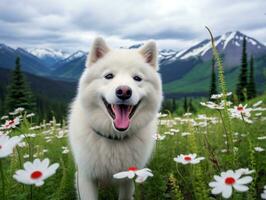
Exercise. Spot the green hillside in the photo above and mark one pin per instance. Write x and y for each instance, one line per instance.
(198, 79)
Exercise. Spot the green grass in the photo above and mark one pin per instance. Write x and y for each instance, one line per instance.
(171, 180)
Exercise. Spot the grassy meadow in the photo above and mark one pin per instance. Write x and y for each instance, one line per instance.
(225, 143)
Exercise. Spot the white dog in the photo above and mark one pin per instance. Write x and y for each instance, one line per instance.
(113, 116)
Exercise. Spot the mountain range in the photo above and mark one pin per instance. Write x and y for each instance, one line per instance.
(185, 72)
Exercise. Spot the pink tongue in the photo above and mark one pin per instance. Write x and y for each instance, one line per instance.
(121, 120)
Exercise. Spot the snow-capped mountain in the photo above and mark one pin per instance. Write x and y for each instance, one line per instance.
(29, 62)
(76, 55)
(166, 55)
(49, 56)
(228, 44)
(71, 67)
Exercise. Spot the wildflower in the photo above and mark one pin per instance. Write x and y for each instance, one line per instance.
(26, 156)
(174, 130)
(35, 128)
(4, 117)
(157, 136)
(30, 135)
(19, 110)
(188, 159)
(262, 138)
(259, 149)
(161, 115)
(185, 134)
(22, 144)
(142, 174)
(11, 123)
(245, 171)
(30, 115)
(257, 104)
(219, 96)
(34, 173)
(227, 181)
(169, 133)
(212, 105)
(240, 111)
(7, 144)
(65, 150)
(187, 114)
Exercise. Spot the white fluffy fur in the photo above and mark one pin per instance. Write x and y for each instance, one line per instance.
(98, 158)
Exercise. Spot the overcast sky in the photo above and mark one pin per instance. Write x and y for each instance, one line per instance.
(177, 24)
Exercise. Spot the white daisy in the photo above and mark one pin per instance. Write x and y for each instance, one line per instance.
(142, 174)
(4, 117)
(257, 103)
(212, 105)
(157, 136)
(227, 181)
(30, 115)
(259, 149)
(65, 150)
(188, 159)
(35, 173)
(219, 96)
(240, 110)
(262, 138)
(11, 123)
(185, 134)
(245, 171)
(7, 144)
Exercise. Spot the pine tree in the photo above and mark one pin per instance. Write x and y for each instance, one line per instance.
(18, 91)
(242, 82)
(213, 89)
(191, 107)
(174, 107)
(251, 87)
(185, 106)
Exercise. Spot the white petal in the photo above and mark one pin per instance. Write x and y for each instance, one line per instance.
(37, 162)
(39, 183)
(121, 175)
(216, 190)
(244, 180)
(227, 192)
(141, 179)
(240, 188)
(214, 184)
(218, 178)
(131, 174)
(50, 170)
(28, 166)
(45, 163)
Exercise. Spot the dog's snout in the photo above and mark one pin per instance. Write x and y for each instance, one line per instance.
(123, 92)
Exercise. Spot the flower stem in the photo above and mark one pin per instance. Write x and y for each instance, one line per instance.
(3, 180)
(225, 131)
(20, 163)
(31, 192)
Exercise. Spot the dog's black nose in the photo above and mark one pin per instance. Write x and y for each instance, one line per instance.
(123, 92)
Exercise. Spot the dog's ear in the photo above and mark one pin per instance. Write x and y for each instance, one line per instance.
(149, 52)
(99, 50)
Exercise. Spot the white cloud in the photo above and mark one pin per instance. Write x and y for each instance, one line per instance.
(174, 24)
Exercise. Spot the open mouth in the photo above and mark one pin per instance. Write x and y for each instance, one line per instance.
(121, 114)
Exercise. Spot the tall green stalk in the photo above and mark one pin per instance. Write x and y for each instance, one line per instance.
(222, 86)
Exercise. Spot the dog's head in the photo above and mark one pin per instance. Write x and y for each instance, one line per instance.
(120, 89)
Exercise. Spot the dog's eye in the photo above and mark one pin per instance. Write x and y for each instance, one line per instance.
(137, 78)
(109, 76)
